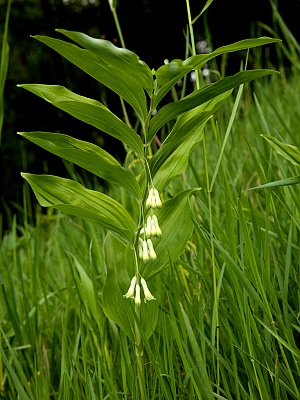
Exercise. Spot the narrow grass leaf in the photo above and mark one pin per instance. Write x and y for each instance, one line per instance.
(291, 153)
(4, 64)
(291, 40)
(294, 351)
(87, 289)
(206, 389)
(282, 182)
(20, 381)
(207, 4)
(240, 275)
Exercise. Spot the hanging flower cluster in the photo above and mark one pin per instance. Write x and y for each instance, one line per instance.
(146, 250)
(134, 291)
(153, 199)
(152, 228)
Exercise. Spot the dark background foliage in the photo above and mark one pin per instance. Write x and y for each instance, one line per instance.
(154, 29)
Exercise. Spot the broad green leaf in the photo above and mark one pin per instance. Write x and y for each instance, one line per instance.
(124, 62)
(172, 157)
(86, 155)
(200, 96)
(176, 224)
(71, 197)
(169, 74)
(291, 153)
(109, 74)
(119, 260)
(282, 182)
(89, 111)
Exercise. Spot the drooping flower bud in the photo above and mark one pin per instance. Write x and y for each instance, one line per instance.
(140, 248)
(137, 298)
(145, 252)
(151, 199)
(155, 229)
(148, 227)
(158, 202)
(148, 295)
(151, 252)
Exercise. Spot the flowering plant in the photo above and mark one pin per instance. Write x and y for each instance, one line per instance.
(150, 231)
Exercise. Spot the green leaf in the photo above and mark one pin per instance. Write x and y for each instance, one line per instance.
(234, 268)
(87, 289)
(110, 69)
(169, 74)
(200, 96)
(4, 64)
(86, 155)
(291, 153)
(71, 197)
(207, 4)
(282, 182)
(176, 224)
(89, 111)
(295, 351)
(125, 62)
(119, 260)
(172, 157)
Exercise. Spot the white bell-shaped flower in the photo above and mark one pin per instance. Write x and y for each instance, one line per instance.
(130, 292)
(150, 202)
(148, 295)
(143, 250)
(155, 229)
(148, 227)
(151, 252)
(158, 202)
